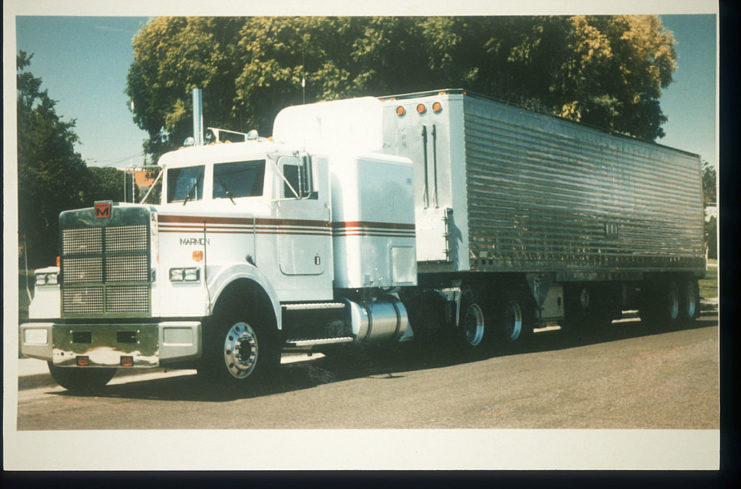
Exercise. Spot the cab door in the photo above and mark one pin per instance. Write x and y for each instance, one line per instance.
(304, 228)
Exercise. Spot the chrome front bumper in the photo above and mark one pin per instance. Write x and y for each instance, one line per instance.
(112, 345)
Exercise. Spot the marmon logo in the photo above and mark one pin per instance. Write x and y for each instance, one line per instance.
(102, 209)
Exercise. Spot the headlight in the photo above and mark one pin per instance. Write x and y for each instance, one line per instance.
(176, 274)
(185, 274)
(47, 279)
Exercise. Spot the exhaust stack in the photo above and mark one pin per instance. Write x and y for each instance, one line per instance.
(197, 117)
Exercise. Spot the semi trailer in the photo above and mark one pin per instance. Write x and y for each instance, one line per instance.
(439, 216)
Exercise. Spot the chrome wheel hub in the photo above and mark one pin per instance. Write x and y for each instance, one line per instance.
(240, 350)
(513, 321)
(473, 325)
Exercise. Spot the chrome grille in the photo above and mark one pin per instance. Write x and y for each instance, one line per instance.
(85, 240)
(83, 300)
(81, 270)
(105, 265)
(127, 298)
(126, 268)
(126, 238)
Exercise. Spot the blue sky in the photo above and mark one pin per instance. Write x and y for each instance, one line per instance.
(83, 62)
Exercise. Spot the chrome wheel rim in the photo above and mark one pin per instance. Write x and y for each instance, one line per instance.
(473, 325)
(513, 321)
(240, 350)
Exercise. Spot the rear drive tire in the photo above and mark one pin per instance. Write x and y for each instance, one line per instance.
(514, 320)
(473, 325)
(81, 380)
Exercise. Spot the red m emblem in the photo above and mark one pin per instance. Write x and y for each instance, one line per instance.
(102, 209)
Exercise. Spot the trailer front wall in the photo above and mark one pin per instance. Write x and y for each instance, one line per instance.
(547, 194)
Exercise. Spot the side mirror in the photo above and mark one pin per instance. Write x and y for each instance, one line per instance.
(307, 177)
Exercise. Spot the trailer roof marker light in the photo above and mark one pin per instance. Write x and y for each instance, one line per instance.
(421, 109)
(400, 110)
(197, 255)
(437, 107)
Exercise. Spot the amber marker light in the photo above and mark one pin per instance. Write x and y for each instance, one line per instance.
(437, 107)
(127, 361)
(197, 255)
(57, 260)
(400, 111)
(83, 361)
(421, 109)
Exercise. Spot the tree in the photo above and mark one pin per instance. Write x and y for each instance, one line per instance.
(51, 175)
(105, 183)
(600, 70)
(709, 182)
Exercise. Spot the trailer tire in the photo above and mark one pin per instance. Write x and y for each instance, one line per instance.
(689, 301)
(589, 311)
(473, 327)
(660, 304)
(81, 380)
(239, 350)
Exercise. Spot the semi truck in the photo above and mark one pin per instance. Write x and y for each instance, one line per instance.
(441, 216)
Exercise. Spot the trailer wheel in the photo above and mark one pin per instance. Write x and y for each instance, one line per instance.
(81, 380)
(660, 304)
(689, 306)
(472, 321)
(238, 351)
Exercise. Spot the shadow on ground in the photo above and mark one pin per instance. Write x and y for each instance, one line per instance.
(376, 363)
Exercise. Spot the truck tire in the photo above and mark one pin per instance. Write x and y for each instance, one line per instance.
(238, 351)
(660, 304)
(689, 301)
(577, 302)
(81, 380)
(473, 327)
(588, 310)
(514, 320)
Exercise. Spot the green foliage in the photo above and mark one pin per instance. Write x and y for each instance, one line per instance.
(604, 71)
(51, 176)
(105, 183)
(709, 182)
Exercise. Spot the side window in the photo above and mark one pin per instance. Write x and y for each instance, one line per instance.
(296, 176)
(291, 172)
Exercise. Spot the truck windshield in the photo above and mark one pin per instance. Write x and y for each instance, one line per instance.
(239, 179)
(185, 183)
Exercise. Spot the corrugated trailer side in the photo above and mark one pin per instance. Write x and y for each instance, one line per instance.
(546, 194)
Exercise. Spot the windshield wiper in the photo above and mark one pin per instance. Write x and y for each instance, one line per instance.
(226, 190)
(187, 196)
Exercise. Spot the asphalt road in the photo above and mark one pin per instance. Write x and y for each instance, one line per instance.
(629, 378)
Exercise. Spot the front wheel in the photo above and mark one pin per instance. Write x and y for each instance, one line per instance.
(238, 351)
(81, 380)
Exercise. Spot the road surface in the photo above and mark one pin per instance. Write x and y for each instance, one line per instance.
(630, 378)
